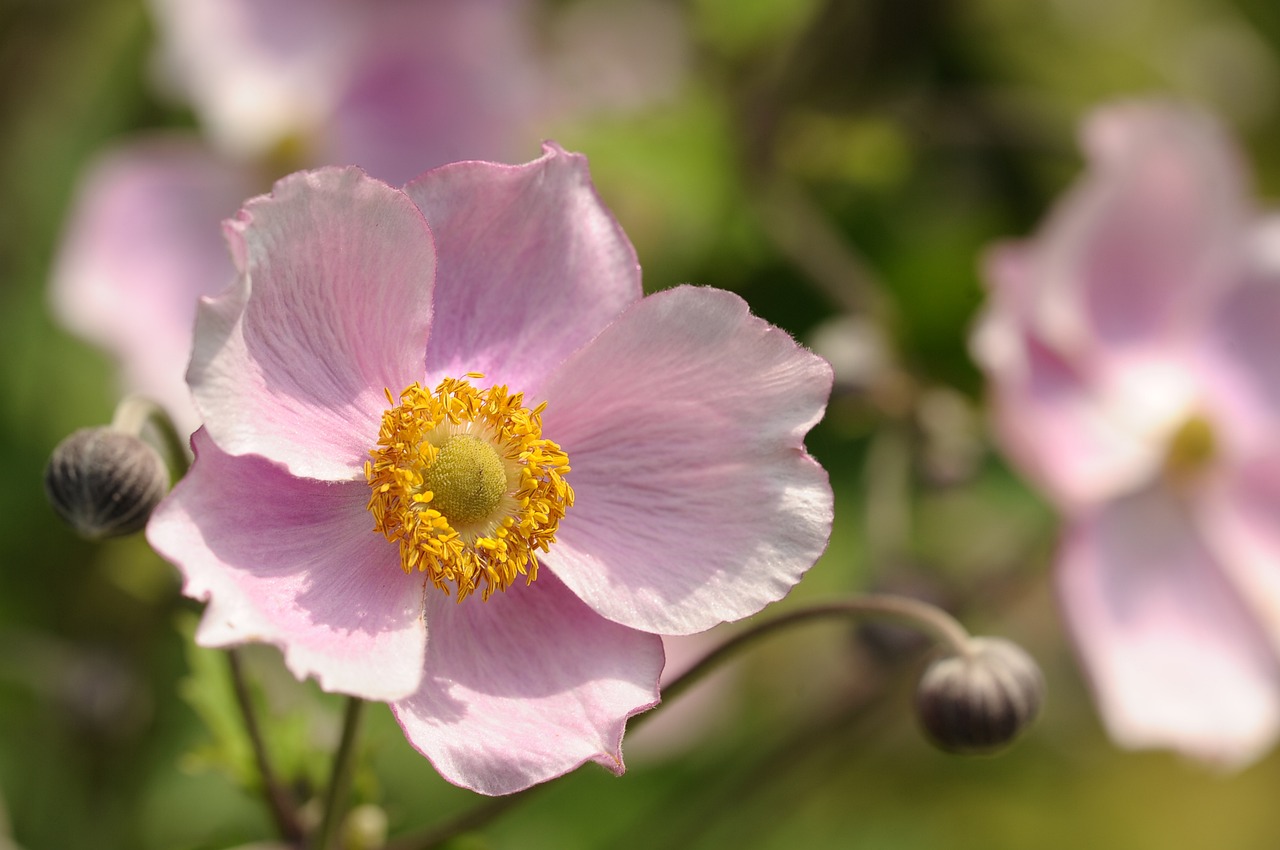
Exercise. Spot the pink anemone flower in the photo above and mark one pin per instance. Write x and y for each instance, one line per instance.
(452, 460)
(1133, 350)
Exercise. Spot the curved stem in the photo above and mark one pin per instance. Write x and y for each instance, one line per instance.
(930, 619)
(340, 779)
(279, 800)
(134, 412)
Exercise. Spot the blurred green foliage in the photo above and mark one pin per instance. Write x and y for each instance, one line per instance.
(916, 132)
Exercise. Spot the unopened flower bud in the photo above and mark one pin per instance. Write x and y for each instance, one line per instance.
(104, 482)
(365, 828)
(980, 701)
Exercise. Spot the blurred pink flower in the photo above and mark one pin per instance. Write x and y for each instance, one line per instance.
(326, 517)
(393, 86)
(139, 250)
(1135, 360)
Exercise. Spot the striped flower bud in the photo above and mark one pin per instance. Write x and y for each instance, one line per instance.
(105, 482)
(979, 702)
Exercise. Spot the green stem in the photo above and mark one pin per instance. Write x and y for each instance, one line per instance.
(344, 763)
(279, 800)
(135, 412)
(931, 620)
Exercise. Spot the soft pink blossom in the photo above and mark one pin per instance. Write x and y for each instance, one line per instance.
(683, 417)
(394, 86)
(139, 249)
(1135, 365)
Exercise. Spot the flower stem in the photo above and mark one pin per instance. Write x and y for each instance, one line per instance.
(931, 620)
(279, 800)
(134, 412)
(344, 763)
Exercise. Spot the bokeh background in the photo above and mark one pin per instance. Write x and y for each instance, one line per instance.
(839, 163)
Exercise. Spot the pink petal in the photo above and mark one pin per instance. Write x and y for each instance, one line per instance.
(1239, 513)
(525, 687)
(435, 82)
(1074, 443)
(256, 73)
(684, 424)
(531, 266)
(295, 563)
(394, 87)
(1140, 248)
(332, 308)
(1082, 430)
(142, 247)
(1241, 362)
(1175, 656)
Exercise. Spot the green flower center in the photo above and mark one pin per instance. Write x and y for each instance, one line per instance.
(467, 480)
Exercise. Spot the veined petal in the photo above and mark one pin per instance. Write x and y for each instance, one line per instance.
(695, 501)
(531, 266)
(294, 562)
(1175, 656)
(332, 308)
(525, 687)
(142, 248)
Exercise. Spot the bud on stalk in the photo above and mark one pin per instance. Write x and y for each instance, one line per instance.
(106, 481)
(979, 701)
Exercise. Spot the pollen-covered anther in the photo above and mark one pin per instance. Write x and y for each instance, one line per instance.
(464, 482)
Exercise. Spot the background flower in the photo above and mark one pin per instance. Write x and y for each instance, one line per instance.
(394, 86)
(1132, 352)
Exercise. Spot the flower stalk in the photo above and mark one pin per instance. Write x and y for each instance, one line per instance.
(105, 481)
(135, 412)
(930, 619)
(284, 810)
(344, 764)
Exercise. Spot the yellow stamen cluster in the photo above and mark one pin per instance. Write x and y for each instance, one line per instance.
(464, 482)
